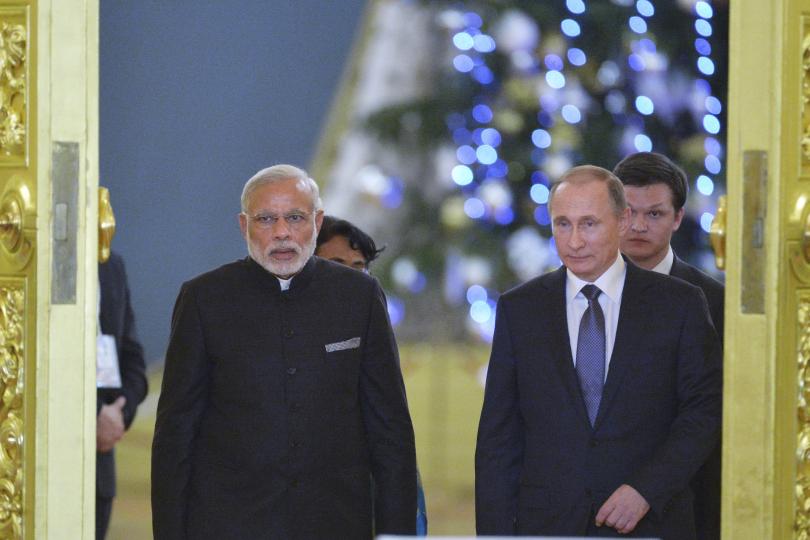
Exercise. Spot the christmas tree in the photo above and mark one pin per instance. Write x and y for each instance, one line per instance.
(519, 92)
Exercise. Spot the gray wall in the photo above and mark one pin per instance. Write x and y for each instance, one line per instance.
(195, 96)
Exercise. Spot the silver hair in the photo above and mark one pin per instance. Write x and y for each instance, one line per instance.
(588, 173)
(277, 173)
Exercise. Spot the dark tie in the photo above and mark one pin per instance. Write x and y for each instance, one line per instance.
(591, 352)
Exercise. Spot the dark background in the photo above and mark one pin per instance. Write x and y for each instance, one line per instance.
(196, 96)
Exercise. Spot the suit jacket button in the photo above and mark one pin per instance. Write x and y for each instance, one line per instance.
(294, 483)
(289, 333)
(291, 371)
(295, 407)
(293, 444)
(593, 444)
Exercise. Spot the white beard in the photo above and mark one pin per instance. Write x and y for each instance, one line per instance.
(285, 268)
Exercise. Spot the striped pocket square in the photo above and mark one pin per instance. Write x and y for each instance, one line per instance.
(352, 343)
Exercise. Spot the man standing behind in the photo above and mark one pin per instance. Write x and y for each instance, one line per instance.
(278, 405)
(599, 404)
(345, 243)
(656, 191)
(115, 404)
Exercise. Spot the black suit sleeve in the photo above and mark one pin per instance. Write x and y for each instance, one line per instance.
(499, 450)
(182, 401)
(696, 428)
(388, 425)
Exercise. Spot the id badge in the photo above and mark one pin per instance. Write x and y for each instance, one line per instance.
(108, 375)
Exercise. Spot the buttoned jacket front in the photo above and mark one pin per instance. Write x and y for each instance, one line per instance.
(278, 407)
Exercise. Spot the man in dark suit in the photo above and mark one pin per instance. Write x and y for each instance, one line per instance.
(656, 191)
(600, 405)
(278, 405)
(115, 406)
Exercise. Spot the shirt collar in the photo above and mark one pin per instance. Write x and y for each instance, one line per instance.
(296, 283)
(665, 266)
(610, 282)
(284, 283)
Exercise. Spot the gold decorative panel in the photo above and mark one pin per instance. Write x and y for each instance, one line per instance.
(13, 85)
(802, 493)
(12, 366)
(805, 153)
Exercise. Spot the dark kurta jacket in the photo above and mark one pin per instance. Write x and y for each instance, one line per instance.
(541, 469)
(277, 409)
(118, 320)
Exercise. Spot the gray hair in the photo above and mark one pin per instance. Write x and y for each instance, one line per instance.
(278, 173)
(590, 173)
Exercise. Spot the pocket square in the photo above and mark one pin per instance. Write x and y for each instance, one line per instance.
(352, 343)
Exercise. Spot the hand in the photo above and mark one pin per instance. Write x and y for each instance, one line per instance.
(110, 425)
(623, 510)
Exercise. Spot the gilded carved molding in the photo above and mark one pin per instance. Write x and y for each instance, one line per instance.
(12, 365)
(802, 490)
(805, 77)
(13, 84)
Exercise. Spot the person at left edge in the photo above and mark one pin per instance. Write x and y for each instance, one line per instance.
(278, 406)
(115, 407)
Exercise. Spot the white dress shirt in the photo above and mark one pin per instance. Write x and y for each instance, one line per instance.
(284, 283)
(611, 283)
(665, 266)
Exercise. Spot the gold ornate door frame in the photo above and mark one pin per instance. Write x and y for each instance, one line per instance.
(766, 439)
(18, 269)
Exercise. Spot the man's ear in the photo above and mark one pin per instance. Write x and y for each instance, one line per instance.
(624, 221)
(678, 218)
(318, 221)
(243, 225)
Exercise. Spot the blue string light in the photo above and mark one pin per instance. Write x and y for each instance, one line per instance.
(462, 175)
(476, 131)
(576, 56)
(704, 9)
(465, 154)
(552, 61)
(463, 41)
(482, 113)
(703, 27)
(642, 143)
(705, 185)
(474, 208)
(713, 106)
(577, 7)
(491, 136)
(571, 114)
(711, 124)
(706, 221)
(637, 24)
(555, 79)
(541, 138)
(539, 193)
(645, 8)
(570, 27)
(463, 63)
(705, 65)
(644, 105)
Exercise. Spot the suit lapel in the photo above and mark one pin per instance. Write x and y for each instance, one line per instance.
(679, 269)
(632, 315)
(561, 348)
